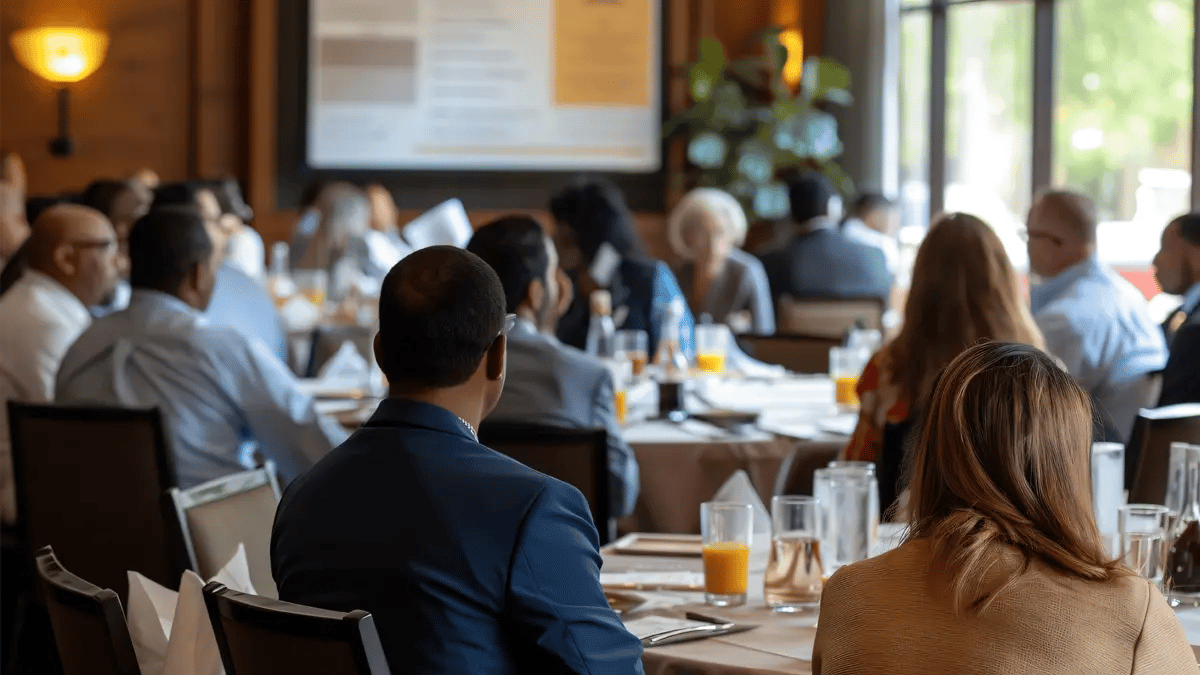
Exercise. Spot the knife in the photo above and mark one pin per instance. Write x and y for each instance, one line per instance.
(693, 633)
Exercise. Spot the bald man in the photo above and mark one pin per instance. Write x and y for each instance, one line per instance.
(72, 266)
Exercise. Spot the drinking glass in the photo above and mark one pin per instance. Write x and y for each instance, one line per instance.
(869, 339)
(622, 375)
(845, 365)
(728, 529)
(1108, 490)
(793, 579)
(1177, 476)
(1143, 533)
(875, 509)
(846, 519)
(313, 284)
(634, 345)
(710, 347)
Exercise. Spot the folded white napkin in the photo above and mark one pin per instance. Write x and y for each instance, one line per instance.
(171, 631)
(445, 224)
(298, 314)
(346, 368)
(739, 361)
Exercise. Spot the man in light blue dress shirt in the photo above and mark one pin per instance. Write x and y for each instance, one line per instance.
(218, 390)
(1096, 322)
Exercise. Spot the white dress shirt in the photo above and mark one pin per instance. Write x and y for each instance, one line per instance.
(39, 320)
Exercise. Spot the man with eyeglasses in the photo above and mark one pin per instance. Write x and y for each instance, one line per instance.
(72, 257)
(1095, 321)
(469, 561)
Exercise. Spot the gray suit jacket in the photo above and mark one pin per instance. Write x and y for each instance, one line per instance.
(558, 385)
(741, 286)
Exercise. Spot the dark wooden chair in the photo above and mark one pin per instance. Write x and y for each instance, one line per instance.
(88, 623)
(828, 317)
(796, 473)
(808, 354)
(261, 636)
(92, 482)
(1148, 453)
(575, 456)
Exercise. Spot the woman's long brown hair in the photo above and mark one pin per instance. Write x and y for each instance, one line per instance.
(1003, 456)
(964, 290)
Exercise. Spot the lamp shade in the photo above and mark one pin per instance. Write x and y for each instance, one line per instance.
(60, 54)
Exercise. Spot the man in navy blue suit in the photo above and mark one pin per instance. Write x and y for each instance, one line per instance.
(469, 561)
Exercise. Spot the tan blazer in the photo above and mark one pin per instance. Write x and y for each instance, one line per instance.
(889, 615)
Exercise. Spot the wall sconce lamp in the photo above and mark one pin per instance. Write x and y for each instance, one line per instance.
(60, 55)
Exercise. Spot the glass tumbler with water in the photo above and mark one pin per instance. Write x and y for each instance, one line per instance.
(1108, 489)
(846, 518)
(1183, 555)
(1143, 534)
(794, 578)
(728, 529)
(875, 510)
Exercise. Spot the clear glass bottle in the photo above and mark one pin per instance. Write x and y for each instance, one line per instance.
(671, 364)
(1182, 577)
(602, 333)
(279, 277)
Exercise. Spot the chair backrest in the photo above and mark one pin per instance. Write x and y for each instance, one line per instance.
(88, 622)
(828, 317)
(92, 482)
(218, 515)
(1148, 454)
(261, 636)
(796, 473)
(808, 354)
(575, 456)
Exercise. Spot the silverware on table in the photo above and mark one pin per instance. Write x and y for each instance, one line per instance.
(693, 633)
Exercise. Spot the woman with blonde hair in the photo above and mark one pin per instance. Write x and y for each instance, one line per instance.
(964, 289)
(1002, 570)
(706, 230)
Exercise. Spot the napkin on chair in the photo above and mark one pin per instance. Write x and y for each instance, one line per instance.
(171, 631)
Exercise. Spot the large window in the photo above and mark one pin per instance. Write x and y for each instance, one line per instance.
(1094, 95)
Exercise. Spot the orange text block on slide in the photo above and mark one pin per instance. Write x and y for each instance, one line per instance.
(602, 51)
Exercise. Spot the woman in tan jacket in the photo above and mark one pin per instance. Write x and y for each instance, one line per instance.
(1002, 571)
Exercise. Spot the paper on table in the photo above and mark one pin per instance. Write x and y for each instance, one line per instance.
(653, 579)
(839, 424)
(653, 625)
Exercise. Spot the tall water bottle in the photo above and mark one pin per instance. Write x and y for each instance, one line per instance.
(602, 333)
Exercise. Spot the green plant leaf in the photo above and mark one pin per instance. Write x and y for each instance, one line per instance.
(838, 176)
(712, 55)
(822, 76)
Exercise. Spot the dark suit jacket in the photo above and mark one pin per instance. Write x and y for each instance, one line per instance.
(824, 263)
(1181, 377)
(632, 287)
(469, 561)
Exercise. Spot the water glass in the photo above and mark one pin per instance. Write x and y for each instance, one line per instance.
(845, 366)
(1176, 496)
(711, 346)
(728, 529)
(312, 284)
(793, 579)
(1143, 535)
(634, 345)
(846, 517)
(1108, 490)
(869, 467)
(869, 339)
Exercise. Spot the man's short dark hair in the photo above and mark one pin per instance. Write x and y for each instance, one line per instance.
(440, 309)
(1189, 227)
(515, 247)
(809, 193)
(177, 194)
(595, 210)
(102, 194)
(165, 245)
(868, 202)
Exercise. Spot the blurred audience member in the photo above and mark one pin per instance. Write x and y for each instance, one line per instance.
(1002, 569)
(384, 242)
(599, 248)
(14, 228)
(123, 202)
(339, 245)
(238, 301)
(549, 382)
(1093, 320)
(306, 225)
(964, 289)
(147, 177)
(246, 251)
(820, 261)
(706, 230)
(469, 561)
(873, 221)
(1177, 267)
(220, 393)
(72, 265)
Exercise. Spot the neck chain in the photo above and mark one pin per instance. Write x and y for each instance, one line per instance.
(471, 428)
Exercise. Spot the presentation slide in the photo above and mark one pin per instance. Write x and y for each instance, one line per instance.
(485, 85)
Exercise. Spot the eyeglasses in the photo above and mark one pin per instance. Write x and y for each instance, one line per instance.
(1026, 235)
(510, 320)
(108, 245)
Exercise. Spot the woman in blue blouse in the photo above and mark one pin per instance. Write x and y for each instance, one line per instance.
(595, 236)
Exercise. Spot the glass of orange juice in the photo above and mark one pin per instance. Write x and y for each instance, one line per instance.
(313, 284)
(635, 346)
(710, 347)
(845, 365)
(622, 375)
(728, 528)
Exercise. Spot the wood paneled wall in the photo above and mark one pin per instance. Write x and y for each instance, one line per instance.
(188, 89)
